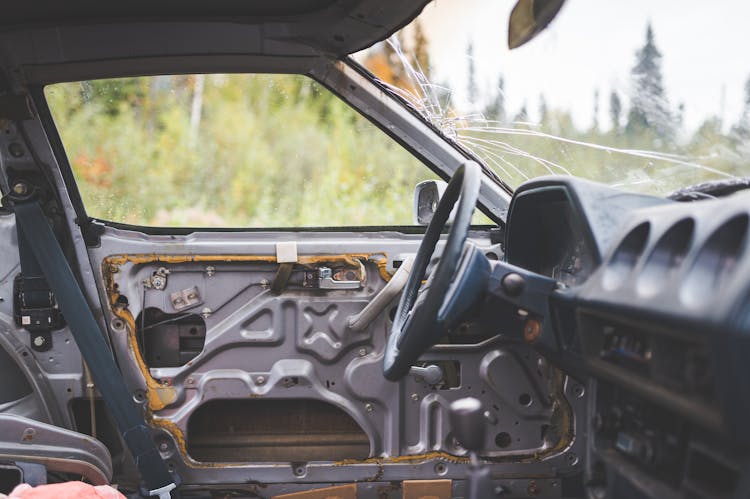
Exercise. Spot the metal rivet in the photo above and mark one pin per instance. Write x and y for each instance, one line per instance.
(415, 397)
(368, 407)
(260, 380)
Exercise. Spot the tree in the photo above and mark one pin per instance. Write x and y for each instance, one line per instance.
(543, 109)
(495, 110)
(595, 121)
(741, 130)
(522, 116)
(649, 109)
(615, 111)
(472, 89)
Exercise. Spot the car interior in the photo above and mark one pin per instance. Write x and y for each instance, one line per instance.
(563, 339)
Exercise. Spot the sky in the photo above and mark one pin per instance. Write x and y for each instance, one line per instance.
(591, 46)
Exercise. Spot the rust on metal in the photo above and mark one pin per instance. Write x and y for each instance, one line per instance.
(159, 396)
(532, 328)
(348, 491)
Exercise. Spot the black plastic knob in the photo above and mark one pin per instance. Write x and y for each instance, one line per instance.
(468, 423)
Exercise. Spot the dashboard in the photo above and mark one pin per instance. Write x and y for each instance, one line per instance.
(649, 308)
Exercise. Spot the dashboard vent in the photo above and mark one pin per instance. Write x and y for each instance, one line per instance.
(625, 257)
(667, 255)
(714, 262)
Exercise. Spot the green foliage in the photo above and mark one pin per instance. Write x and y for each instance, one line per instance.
(264, 151)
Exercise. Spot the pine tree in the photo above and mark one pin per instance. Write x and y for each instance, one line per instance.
(472, 90)
(615, 111)
(522, 116)
(595, 121)
(649, 108)
(741, 130)
(495, 110)
(543, 109)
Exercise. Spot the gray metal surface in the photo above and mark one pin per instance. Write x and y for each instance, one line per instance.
(61, 450)
(256, 342)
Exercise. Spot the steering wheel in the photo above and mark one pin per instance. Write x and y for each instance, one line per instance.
(425, 312)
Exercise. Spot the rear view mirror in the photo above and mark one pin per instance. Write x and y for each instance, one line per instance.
(529, 18)
(426, 198)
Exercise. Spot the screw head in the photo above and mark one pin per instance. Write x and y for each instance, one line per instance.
(39, 341)
(362, 352)
(163, 446)
(415, 396)
(260, 380)
(369, 407)
(20, 189)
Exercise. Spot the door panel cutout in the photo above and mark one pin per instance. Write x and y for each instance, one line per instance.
(280, 430)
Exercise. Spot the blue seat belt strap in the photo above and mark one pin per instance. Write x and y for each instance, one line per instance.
(39, 238)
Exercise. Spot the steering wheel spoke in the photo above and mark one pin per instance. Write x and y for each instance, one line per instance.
(425, 313)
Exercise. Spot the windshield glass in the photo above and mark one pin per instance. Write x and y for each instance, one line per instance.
(646, 96)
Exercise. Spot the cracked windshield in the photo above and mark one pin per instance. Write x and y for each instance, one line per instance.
(619, 92)
(642, 95)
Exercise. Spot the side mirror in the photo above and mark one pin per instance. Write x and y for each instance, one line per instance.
(529, 18)
(427, 195)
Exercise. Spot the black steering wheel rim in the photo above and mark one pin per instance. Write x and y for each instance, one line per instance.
(417, 322)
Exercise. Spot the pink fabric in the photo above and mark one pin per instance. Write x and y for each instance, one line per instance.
(67, 490)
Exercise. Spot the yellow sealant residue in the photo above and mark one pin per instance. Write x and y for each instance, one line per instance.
(159, 395)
